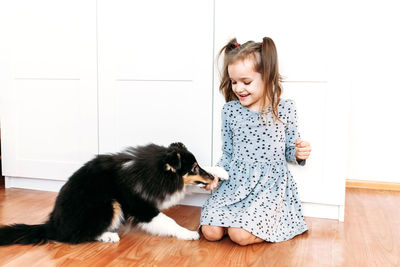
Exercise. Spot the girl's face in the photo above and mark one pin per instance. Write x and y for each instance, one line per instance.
(247, 84)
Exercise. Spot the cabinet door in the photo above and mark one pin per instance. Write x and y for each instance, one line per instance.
(49, 113)
(155, 74)
(302, 35)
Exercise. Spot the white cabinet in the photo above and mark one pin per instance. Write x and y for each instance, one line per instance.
(88, 77)
(155, 74)
(98, 76)
(301, 32)
(49, 113)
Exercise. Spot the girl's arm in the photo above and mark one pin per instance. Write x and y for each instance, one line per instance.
(226, 133)
(292, 134)
(226, 157)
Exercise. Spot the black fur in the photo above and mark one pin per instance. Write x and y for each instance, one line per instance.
(139, 179)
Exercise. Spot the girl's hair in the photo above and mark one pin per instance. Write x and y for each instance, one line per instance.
(265, 58)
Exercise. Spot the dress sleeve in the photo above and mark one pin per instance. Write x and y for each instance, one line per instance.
(291, 133)
(226, 133)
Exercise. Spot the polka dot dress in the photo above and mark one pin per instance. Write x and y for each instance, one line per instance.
(261, 194)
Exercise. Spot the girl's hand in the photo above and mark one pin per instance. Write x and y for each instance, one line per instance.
(213, 184)
(303, 149)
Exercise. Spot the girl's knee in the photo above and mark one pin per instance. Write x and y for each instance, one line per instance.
(242, 237)
(212, 233)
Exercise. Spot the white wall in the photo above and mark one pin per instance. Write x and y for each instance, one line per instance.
(371, 60)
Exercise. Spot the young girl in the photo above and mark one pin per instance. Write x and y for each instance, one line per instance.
(259, 202)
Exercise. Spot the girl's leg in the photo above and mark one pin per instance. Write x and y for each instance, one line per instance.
(213, 233)
(242, 237)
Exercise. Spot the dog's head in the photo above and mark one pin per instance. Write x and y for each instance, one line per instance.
(181, 161)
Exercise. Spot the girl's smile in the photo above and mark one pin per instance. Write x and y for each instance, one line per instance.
(243, 96)
(247, 84)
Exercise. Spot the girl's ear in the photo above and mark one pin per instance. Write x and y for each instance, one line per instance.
(172, 161)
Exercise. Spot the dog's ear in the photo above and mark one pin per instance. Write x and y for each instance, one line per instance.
(177, 145)
(173, 161)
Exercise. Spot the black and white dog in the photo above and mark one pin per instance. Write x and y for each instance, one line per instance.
(133, 185)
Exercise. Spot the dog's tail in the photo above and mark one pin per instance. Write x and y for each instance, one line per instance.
(23, 234)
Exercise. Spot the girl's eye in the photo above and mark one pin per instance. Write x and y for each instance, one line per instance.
(246, 83)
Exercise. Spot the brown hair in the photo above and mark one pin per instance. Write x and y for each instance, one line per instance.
(265, 58)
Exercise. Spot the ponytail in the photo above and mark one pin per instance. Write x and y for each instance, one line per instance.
(270, 72)
(225, 86)
(232, 44)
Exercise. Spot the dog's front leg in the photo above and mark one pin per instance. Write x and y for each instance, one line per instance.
(163, 225)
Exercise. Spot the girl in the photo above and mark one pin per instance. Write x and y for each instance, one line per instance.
(259, 202)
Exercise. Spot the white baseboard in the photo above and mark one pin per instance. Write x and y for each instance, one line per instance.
(194, 199)
(325, 211)
(34, 183)
(318, 210)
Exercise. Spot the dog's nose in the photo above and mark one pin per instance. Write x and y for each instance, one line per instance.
(206, 174)
(209, 175)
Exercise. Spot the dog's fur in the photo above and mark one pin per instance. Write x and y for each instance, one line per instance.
(131, 186)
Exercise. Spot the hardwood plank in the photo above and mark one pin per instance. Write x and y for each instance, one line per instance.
(373, 185)
(368, 237)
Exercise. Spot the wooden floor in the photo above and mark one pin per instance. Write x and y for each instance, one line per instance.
(370, 236)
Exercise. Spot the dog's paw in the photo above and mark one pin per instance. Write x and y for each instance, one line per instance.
(218, 171)
(188, 235)
(108, 237)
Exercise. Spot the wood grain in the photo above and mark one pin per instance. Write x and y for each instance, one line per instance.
(368, 237)
(373, 185)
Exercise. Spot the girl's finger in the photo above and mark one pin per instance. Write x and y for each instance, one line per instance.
(214, 183)
(304, 144)
(303, 149)
(303, 155)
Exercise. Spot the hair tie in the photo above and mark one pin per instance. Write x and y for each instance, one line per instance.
(237, 44)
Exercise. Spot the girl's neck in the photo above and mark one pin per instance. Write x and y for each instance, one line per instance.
(258, 107)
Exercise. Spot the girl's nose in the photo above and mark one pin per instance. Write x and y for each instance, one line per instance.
(240, 87)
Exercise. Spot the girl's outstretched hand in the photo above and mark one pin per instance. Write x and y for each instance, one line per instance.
(213, 184)
(219, 173)
(303, 149)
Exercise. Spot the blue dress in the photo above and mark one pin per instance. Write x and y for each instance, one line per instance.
(261, 194)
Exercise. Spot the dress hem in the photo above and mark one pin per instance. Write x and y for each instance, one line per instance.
(301, 231)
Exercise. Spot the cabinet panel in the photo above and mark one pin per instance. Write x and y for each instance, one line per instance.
(49, 117)
(311, 124)
(300, 30)
(154, 40)
(155, 74)
(50, 38)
